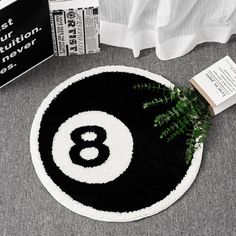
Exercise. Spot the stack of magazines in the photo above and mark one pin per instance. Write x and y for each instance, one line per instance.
(75, 27)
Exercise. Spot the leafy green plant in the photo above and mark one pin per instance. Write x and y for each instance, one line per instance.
(188, 115)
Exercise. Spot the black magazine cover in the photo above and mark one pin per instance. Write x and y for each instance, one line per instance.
(25, 37)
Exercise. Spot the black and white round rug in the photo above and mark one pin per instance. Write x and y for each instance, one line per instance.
(95, 150)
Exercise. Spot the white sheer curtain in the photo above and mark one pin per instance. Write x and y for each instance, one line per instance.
(173, 27)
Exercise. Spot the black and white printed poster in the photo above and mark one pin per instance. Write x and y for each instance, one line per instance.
(25, 37)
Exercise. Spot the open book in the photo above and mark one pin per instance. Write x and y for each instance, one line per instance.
(217, 84)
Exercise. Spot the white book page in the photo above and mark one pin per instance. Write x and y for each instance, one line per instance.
(218, 81)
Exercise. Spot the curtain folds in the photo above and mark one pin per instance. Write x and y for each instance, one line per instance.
(173, 27)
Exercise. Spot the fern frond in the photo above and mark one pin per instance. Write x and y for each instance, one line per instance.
(149, 87)
(189, 110)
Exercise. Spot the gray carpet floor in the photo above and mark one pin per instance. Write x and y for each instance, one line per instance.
(26, 208)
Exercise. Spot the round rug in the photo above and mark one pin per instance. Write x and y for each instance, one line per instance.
(95, 150)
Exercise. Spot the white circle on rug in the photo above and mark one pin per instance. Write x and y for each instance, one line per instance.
(118, 141)
(84, 209)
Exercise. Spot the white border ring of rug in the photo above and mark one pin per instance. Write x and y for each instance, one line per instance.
(87, 211)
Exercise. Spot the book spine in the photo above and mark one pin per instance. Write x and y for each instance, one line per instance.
(92, 36)
(59, 32)
(55, 49)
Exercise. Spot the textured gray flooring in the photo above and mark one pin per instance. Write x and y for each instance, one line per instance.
(26, 208)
